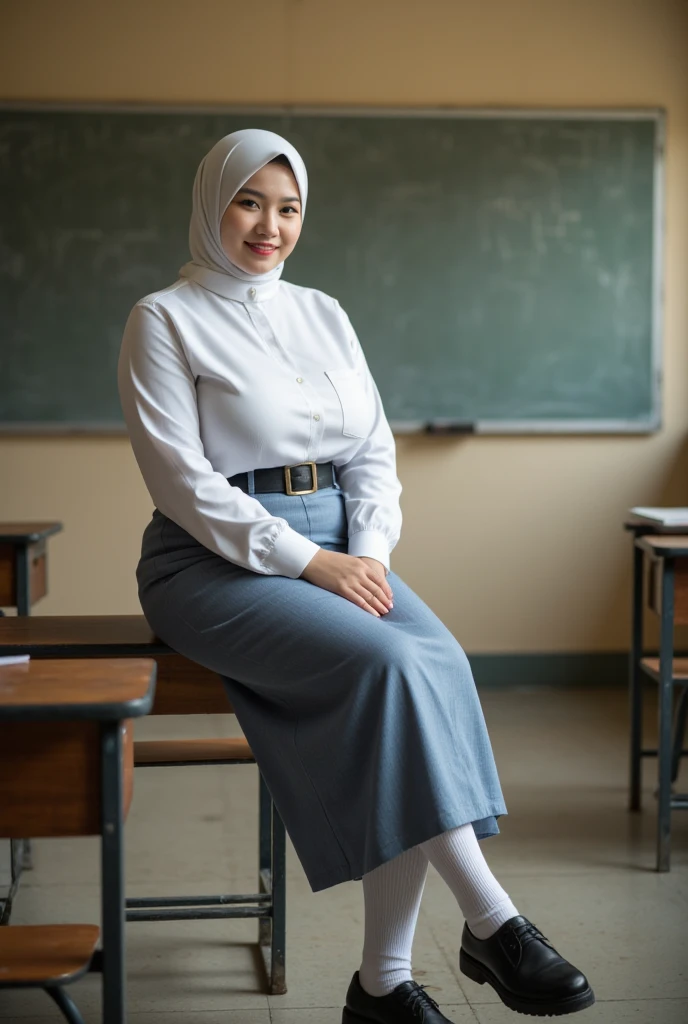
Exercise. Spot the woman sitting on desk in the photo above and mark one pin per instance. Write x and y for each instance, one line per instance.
(263, 442)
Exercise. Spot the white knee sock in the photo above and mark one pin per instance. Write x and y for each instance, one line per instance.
(392, 895)
(457, 856)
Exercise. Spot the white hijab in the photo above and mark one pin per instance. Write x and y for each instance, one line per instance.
(221, 173)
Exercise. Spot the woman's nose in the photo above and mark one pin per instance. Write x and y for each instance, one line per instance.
(268, 225)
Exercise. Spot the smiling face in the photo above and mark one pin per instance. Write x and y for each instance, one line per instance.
(262, 224)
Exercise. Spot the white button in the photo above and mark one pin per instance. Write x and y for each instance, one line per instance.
(317, 416)
(252, 293)
(299, 380)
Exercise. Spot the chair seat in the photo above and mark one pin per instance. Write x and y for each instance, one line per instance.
(153, 753)
(44, 955)
(679, 669)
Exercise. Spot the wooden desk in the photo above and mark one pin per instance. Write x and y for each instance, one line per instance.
(23, 581)
(666, 557)
(24, 564)
(64, 743)
(183, 688)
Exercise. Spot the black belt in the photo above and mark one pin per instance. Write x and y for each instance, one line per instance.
(305, 478)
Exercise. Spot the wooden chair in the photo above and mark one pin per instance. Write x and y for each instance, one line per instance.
(183, 688)
(48, 957)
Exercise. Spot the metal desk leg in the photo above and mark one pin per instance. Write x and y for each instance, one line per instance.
(679, 733)
(15, 875)
(22, 573)
(23, 579)
(635, 681)
(264, 854)
(278, 984)
(665, 701)
(112, 876)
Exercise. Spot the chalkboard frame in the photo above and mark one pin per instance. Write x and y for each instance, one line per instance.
(657, 115)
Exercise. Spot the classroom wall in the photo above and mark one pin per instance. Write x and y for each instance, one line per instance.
(515, 542)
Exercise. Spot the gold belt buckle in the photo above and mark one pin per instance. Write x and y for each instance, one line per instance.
(287, 478)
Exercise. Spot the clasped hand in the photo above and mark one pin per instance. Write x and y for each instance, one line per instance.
(360, 580)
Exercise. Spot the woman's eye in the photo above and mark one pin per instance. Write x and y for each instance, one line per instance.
(289, 209)
(248, 202)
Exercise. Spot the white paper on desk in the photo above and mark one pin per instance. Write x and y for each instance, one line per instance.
(665, 516)
(14, 659)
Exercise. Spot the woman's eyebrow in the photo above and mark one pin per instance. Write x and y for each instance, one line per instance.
(261, 195)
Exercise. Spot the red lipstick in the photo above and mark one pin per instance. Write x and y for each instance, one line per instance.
(261, 250)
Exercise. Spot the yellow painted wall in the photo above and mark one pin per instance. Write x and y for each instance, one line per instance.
(515, 542)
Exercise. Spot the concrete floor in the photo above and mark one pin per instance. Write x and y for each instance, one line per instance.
(569, 854)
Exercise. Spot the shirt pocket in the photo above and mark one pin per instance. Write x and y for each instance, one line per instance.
(356, 415)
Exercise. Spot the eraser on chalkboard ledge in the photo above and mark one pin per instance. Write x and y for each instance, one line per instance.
(450, 427)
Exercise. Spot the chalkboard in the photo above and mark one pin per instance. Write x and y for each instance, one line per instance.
(502, 269)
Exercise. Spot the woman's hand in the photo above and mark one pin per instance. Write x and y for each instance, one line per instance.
(374, 564)
(360, 580)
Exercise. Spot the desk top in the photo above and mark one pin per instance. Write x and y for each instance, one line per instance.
(127, 636)
(20, 533)
(638, 523)
(104, 689)
(665, 546)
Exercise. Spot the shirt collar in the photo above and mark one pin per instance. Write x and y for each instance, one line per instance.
(230, 287)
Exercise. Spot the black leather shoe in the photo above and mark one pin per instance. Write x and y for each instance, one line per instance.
(525, 970)
(409, 1003)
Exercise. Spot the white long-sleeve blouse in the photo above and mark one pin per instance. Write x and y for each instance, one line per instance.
(224, 377)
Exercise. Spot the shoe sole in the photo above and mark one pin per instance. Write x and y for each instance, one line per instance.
(558, 1008)
(349, 1017)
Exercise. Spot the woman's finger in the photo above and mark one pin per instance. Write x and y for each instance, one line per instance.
(361, 598)
(372, 599)
(380, 581)
(380, 602)
(379, 588)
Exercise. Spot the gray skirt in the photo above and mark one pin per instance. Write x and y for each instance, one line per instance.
(368, 732)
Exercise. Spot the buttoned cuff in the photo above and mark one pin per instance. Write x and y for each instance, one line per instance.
(370, 544)
(290, 554)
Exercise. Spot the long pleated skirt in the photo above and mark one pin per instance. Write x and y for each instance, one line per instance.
(368, 731)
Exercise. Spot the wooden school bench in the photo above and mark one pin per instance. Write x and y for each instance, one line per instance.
(66, 769)
(183, 688)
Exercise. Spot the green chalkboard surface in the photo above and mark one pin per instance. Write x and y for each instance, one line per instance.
(502, 269)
